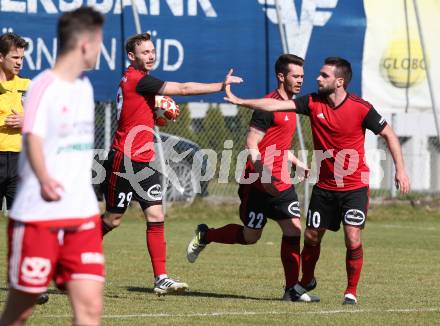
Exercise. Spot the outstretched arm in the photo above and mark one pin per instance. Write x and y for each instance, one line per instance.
(401, 178)
(190, 88)
(262, 104)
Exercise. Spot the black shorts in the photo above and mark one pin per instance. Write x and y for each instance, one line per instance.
(8, 176)
(329, 208)
(120, 186)
(257, 206)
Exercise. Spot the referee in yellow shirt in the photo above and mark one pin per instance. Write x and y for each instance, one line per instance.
(12, 89)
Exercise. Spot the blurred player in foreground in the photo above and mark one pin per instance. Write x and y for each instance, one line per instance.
(268, 142)
(55, 206)
(12, 91)
(133, 151)
(338, 120)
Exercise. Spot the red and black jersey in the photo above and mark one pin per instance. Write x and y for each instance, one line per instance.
(279, 128)
(135, 103)
(340, 132)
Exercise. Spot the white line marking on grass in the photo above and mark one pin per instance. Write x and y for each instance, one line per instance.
(257, 313)
(396, 226)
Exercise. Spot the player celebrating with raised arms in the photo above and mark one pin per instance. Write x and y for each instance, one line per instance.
(338, 120)
(268, 142)
(54, 228)
(133, 145)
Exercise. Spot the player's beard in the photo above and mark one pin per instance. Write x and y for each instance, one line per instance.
(325, 91)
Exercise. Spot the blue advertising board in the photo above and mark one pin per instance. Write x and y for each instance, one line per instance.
(199, 40)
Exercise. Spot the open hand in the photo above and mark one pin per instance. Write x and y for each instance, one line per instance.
(230, 97)
(402, 182)
(230, 79)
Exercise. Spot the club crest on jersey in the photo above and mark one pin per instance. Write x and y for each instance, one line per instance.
(354, 217)
(155, 192)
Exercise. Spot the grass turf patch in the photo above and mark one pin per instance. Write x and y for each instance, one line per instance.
(242, 285)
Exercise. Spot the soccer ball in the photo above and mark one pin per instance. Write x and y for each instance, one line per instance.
(165, 109)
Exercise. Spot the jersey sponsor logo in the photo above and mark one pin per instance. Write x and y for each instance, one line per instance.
(294, 208)
(354, 217)
(78, 147)
(34, 270)
(92, 258)
(155, 192)
(321, 115)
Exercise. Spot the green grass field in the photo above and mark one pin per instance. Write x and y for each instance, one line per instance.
(242, 285)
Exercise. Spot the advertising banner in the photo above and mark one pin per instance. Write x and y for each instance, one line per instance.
(394, 66)
(199, 40)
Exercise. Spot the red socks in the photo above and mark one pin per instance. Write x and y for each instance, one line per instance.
(157, 247)
(353, 261)
(290, 257)
(309, 257)
(228, 234)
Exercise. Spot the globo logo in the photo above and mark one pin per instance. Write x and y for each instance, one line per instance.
(403, 64)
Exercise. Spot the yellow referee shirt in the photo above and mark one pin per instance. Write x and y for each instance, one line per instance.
(11, 94)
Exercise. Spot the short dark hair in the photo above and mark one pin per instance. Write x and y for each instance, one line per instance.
(10, 40)
(74, 23)
(343, 68)
(282, 64)
(134, 40)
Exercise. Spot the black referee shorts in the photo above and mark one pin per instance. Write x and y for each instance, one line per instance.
(8, 176)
